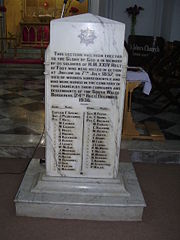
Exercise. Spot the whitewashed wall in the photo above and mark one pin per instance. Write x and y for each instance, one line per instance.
(167, 17)
(175, 28)
(93, 6)
(160, 17)
(170, 29)
(147, 22)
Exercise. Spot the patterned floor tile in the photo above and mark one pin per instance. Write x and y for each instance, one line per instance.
(13, 85)
(33, 87)
(6, 127)
(175, 91)
(5, 104)
(38, 98)
(162, 123)
(138, 116)
(3, 91)
(6, 121)
(37, 127)
(42, 90)
(148, 109)
(169, 116)
(15, 112)
(34, 106)
(136, 105)
(172, 108)
(21, 101)
(16, 81)
(28, 93)
(1, 117)
(40, 77)
(19, 131)
(174, 130)
(170, 136)
(22, 108)
(15, 89)
(9, 96)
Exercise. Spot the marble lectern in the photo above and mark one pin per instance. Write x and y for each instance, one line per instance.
(85, 74)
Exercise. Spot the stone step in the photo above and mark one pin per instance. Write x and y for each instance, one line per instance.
(20, 66)
(25, 50)
(93, 200)
(27, 71)
(11, 70)
(24, 53)
(166, 152)
(23, 56)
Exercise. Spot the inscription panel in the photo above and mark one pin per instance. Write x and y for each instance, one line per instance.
(82, 141)
(85, 76)
(67, 131)
(85, 81)
(98, 141)
(84, 135)
(84, 90)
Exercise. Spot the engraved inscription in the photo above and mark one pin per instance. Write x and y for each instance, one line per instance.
(85, 76)
(90, 128)
(87, 36)
(66, 136)
(83, 138)
(98, 127)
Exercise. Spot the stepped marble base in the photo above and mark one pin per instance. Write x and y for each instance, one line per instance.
(76, 198)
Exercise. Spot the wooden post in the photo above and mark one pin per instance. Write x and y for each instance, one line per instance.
(129, 128)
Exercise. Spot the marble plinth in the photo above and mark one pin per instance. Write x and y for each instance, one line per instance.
(85, 79)
(76, 198)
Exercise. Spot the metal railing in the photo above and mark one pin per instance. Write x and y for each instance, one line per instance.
(7, 43)
(11, 43)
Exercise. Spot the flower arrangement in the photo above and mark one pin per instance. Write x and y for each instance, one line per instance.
(46, 5)
(73, 10)
(133, 12)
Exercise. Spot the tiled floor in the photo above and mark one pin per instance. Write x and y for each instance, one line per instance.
(22, 109)
(150, 108)
(22, 113)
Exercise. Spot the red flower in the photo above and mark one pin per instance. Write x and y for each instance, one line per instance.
(73, 10)
(46, 4)
(2, 9)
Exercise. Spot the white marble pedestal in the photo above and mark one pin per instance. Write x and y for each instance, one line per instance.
(79, 198)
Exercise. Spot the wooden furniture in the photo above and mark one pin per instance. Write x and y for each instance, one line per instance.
(35, 34)
(165, 75)
(142, 49)
(36, 16)
(129, 130)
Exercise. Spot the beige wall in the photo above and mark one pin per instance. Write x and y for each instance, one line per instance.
(13, 15)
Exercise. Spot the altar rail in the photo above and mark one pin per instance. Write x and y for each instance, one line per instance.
(34, 34)
(6, 43)
(11, 50)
